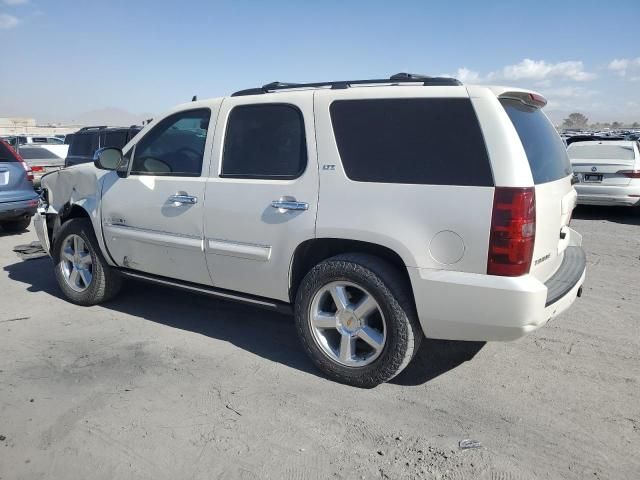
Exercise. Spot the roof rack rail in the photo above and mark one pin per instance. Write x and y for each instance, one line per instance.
(342, 84)
(97, 127)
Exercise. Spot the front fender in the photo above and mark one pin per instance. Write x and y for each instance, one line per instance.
(74, 192)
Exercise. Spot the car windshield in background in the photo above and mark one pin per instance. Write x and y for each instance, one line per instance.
(601, 152)
(545, 150)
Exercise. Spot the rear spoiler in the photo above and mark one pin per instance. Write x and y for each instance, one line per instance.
(528, 98)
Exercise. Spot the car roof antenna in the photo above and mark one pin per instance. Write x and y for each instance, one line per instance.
(194, 98)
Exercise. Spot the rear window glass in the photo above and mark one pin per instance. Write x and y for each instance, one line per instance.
(434, 141)
(5, 154)
(601, 152)
(545, 149)
(83, 144)
(37, 153)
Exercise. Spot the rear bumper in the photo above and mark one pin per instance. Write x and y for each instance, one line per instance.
(624, 195)
(468, 306)
(19, 209)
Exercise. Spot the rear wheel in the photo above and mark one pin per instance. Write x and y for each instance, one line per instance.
(16, 225)
(80, 269)
(356, 319)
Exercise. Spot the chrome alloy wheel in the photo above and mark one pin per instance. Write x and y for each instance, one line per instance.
(347, 324)
(76, 263)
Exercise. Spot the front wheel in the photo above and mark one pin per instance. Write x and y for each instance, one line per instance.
(356, 318)
(81, 271)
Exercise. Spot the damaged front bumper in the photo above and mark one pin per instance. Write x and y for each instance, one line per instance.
(40, 224)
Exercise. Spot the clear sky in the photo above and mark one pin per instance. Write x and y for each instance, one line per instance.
(63, 58)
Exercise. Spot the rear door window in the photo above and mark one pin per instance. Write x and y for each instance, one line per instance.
(264, 141)
(545, 150)
(83, 144)
(431, 141)
(116, 139)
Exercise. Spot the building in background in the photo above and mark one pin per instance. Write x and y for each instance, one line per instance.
(29, 126)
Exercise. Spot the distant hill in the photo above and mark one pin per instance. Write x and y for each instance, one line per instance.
(109, 116)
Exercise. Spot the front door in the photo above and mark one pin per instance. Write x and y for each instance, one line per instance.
(262, 192)
(152, 219)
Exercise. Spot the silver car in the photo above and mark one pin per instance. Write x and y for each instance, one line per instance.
(608, 172)
(18, 200)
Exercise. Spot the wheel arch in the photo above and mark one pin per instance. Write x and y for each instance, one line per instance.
(313, 251)
(71, 210)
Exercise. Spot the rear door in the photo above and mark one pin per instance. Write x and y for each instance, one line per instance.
(598, 163)
(262, 192)
(551, 171)
(14, 185)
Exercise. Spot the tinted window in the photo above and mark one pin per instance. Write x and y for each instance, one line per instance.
(116, 139)
(264, 141)
(175, 146)
(37, 153)
(5, 154)
(433, 141)
(545, 150)
(84, 144)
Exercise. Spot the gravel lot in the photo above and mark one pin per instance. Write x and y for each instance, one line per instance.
(163, 384)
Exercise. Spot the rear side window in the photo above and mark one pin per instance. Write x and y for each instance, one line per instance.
(545, 150)
(264, 141)
(84, 144)
(601, 152)
(116, 139)
(6, 155)
(431, 141)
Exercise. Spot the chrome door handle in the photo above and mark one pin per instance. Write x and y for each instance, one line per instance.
(289, 205)
(180, 199)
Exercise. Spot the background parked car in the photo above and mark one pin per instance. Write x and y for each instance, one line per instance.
(18, 200)
(608, 171)
(43, 159)
(87, 140)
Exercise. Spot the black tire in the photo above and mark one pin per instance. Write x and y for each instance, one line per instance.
(16, 225)
(394, 296)
(105, 282)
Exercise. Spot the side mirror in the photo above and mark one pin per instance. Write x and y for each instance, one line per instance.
(108, 158)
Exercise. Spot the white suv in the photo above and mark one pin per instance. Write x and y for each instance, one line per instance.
(377, 210)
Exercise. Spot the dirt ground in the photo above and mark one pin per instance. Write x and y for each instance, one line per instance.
(162, 384)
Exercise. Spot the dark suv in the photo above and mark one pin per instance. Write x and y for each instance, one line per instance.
(87, 140)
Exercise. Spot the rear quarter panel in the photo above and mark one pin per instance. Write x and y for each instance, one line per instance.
(428, 226)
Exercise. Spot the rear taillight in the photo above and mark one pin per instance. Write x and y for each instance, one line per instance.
(27, 170)
(36, 168)
(513, 231)
(630, 173)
